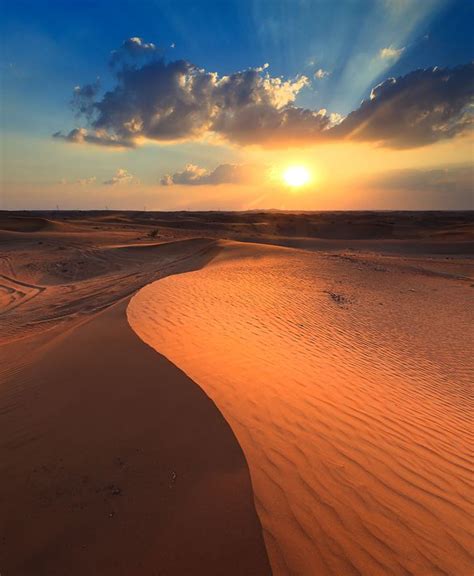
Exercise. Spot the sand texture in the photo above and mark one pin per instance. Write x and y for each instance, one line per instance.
(346, 379)
(311, 417)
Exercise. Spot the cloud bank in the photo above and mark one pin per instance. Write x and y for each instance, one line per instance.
(414, 110)
(169, 101)
(443, 188)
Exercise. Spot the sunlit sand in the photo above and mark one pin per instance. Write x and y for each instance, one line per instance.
(346, 381)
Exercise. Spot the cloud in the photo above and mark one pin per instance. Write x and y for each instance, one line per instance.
(86, 181)
(414, 110)
(122, 176)
(137, 47)
(169, 101)
(173, 101)
(443, 188)
(80, 181)
(193, 175)
(447, 178)
(133, 47)
(99, 137)
(82, 98)
(320, 74)
(391, 53)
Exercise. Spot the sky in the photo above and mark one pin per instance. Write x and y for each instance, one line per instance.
(198, 105)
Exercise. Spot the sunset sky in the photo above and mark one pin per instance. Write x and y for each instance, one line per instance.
(206, 105)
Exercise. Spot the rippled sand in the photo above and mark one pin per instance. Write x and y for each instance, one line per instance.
(346, 380)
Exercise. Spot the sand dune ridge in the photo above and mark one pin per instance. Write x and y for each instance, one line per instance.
(353, 411)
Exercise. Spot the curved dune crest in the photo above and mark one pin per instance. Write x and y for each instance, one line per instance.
(346, 383)
(112, 461)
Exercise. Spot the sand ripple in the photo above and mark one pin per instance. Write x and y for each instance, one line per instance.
(347, 385)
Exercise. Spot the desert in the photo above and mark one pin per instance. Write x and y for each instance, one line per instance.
(236, 288)
(261, 392)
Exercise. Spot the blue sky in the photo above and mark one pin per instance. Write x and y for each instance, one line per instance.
(50, 47)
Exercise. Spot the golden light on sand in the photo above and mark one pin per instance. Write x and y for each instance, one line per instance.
(296, 176)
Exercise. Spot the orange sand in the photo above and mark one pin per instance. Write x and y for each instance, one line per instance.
(346, 379)
(344, 375)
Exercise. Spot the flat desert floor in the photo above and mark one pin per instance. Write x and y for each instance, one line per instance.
(247, 393)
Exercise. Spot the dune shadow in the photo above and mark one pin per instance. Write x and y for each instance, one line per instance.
(125, 466)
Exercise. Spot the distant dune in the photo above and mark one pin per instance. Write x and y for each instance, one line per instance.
(25, 224)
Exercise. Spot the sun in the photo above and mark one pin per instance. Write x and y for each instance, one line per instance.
(296, 176)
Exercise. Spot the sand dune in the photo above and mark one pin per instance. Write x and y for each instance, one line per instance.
(112, 461)
(100, 476)
(342, 370)
(25, 224)
(71, 279)
(346, 379)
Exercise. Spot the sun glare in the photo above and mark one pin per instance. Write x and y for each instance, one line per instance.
(296, 176)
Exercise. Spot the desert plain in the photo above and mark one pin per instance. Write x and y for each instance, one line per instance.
(244, 393)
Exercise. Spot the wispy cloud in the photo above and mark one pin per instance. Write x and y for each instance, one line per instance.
(86, 181)
(320, 74)
(99, 137)
(442, 188)
(80, 181)
(391, 53)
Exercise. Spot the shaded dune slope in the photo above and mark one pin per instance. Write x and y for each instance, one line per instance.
(111, 460)
(347, 383)
(114, 462)
(25, 224)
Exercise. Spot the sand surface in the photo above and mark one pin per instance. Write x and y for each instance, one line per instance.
(340, 376)
(116, 463)
(112, 461)
(346, 379)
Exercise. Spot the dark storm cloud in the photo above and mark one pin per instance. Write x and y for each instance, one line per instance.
(224, 174)
(169, 101)
(417, 109)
